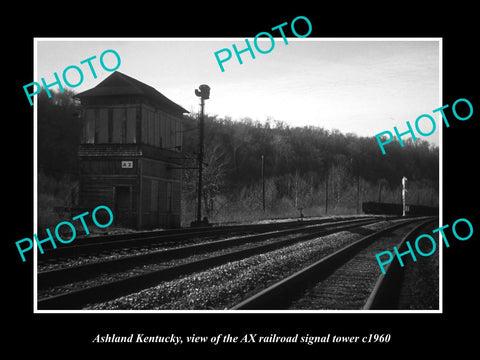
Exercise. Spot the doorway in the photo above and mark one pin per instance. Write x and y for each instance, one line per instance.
(123, 205)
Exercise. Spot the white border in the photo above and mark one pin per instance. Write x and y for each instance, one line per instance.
(35, 201)
(35, 179)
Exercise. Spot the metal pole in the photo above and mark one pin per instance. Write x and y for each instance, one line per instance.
(263, 184)
(200, 164)
(358, 194)
(296, 189)
(380, 192)
(404, 191)
(203, 92)
(326, 192)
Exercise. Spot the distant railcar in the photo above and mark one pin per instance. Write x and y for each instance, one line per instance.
(396, 209)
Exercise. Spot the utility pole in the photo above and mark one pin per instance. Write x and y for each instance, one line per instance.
(204, 93)
(358, 194)
(380, 192)
(326, 191)
(263, 183)
(296, 189)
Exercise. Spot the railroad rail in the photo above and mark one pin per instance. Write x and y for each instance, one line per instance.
(112, 289)
(289, 292)
(93, 244)
(87, 270)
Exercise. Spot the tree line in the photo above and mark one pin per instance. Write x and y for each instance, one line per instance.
(305, 169)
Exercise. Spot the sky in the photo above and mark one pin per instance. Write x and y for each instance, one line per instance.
(362, 86)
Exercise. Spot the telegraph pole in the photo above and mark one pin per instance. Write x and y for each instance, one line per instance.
(326, 191)
(204, 93)
(263, 183)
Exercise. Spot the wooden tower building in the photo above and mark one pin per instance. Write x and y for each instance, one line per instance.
(130, 153)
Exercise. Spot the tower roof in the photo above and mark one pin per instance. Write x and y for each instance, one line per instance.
(118, 84)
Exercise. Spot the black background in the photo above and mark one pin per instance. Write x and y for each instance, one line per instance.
(60, 335)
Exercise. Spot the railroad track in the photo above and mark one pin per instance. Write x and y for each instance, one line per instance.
(102, 244)
(128, 283)
(349, 278)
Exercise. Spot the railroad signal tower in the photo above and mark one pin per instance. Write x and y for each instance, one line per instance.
(130, 153)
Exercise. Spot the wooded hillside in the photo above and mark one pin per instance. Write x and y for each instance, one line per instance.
(302, 165)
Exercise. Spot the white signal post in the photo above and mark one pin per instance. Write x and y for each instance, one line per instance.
(404, 192)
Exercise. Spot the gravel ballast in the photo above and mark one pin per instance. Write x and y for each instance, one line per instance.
(223, 286)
